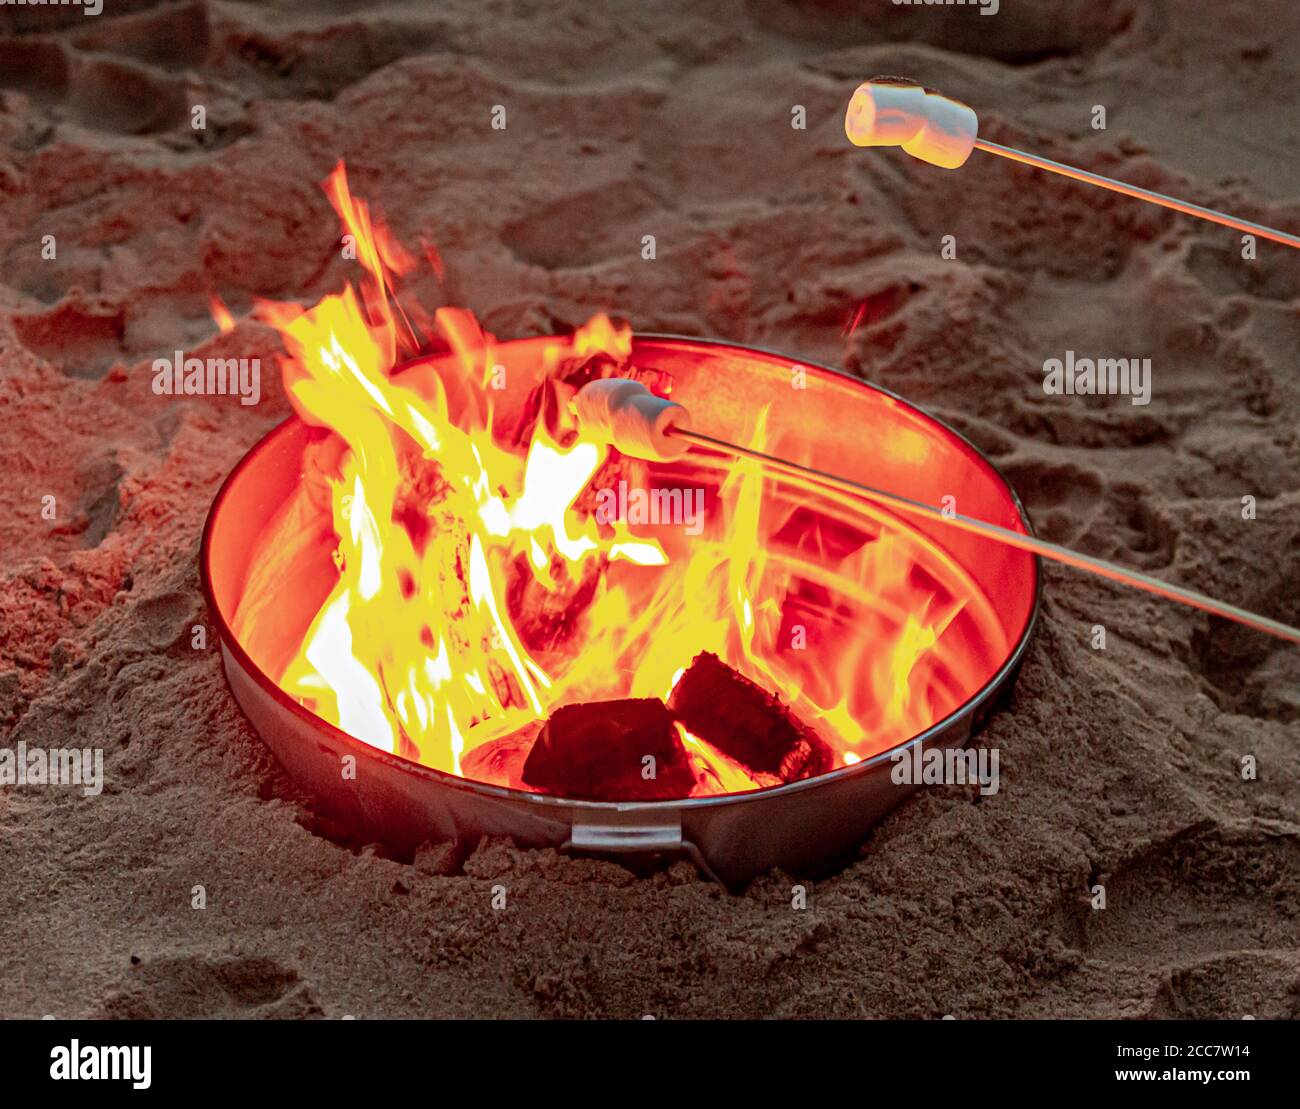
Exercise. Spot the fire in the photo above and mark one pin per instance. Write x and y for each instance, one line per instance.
(477, 588)
(221, 315)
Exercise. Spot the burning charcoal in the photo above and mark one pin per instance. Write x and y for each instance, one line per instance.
(597, 751)
(745, 722)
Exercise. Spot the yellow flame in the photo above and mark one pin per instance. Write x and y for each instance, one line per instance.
(221, 314)
(476, 591)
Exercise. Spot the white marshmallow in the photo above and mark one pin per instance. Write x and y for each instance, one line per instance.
(885, 112)
(888, 111)
(625, 413)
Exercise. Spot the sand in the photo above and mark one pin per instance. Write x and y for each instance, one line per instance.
(1119, 768)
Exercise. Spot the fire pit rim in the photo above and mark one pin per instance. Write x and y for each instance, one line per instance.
(844, 773)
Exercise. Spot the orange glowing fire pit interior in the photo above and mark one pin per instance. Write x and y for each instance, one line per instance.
(454, 563)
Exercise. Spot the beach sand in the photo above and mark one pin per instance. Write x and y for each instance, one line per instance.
(1120, 768)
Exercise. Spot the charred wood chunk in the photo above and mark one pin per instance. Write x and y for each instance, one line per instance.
(602, 751)
(745, 722)
(548, 403)
(547, 616)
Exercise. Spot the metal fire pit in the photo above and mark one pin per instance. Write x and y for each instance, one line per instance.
(838, 423)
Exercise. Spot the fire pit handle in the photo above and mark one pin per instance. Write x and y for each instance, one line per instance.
(635, 833)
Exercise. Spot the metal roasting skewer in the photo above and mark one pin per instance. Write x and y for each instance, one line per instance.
(896, 111)
(1006, 536)
(623, 412)
(1161, 199)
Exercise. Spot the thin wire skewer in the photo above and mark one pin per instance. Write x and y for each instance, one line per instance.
(1161, 199)
(1006, 536)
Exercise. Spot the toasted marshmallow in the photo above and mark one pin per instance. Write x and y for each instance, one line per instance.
(625, 413)
(890, 111)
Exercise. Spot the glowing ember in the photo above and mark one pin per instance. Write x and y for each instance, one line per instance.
(220, 313)
(480, 586)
